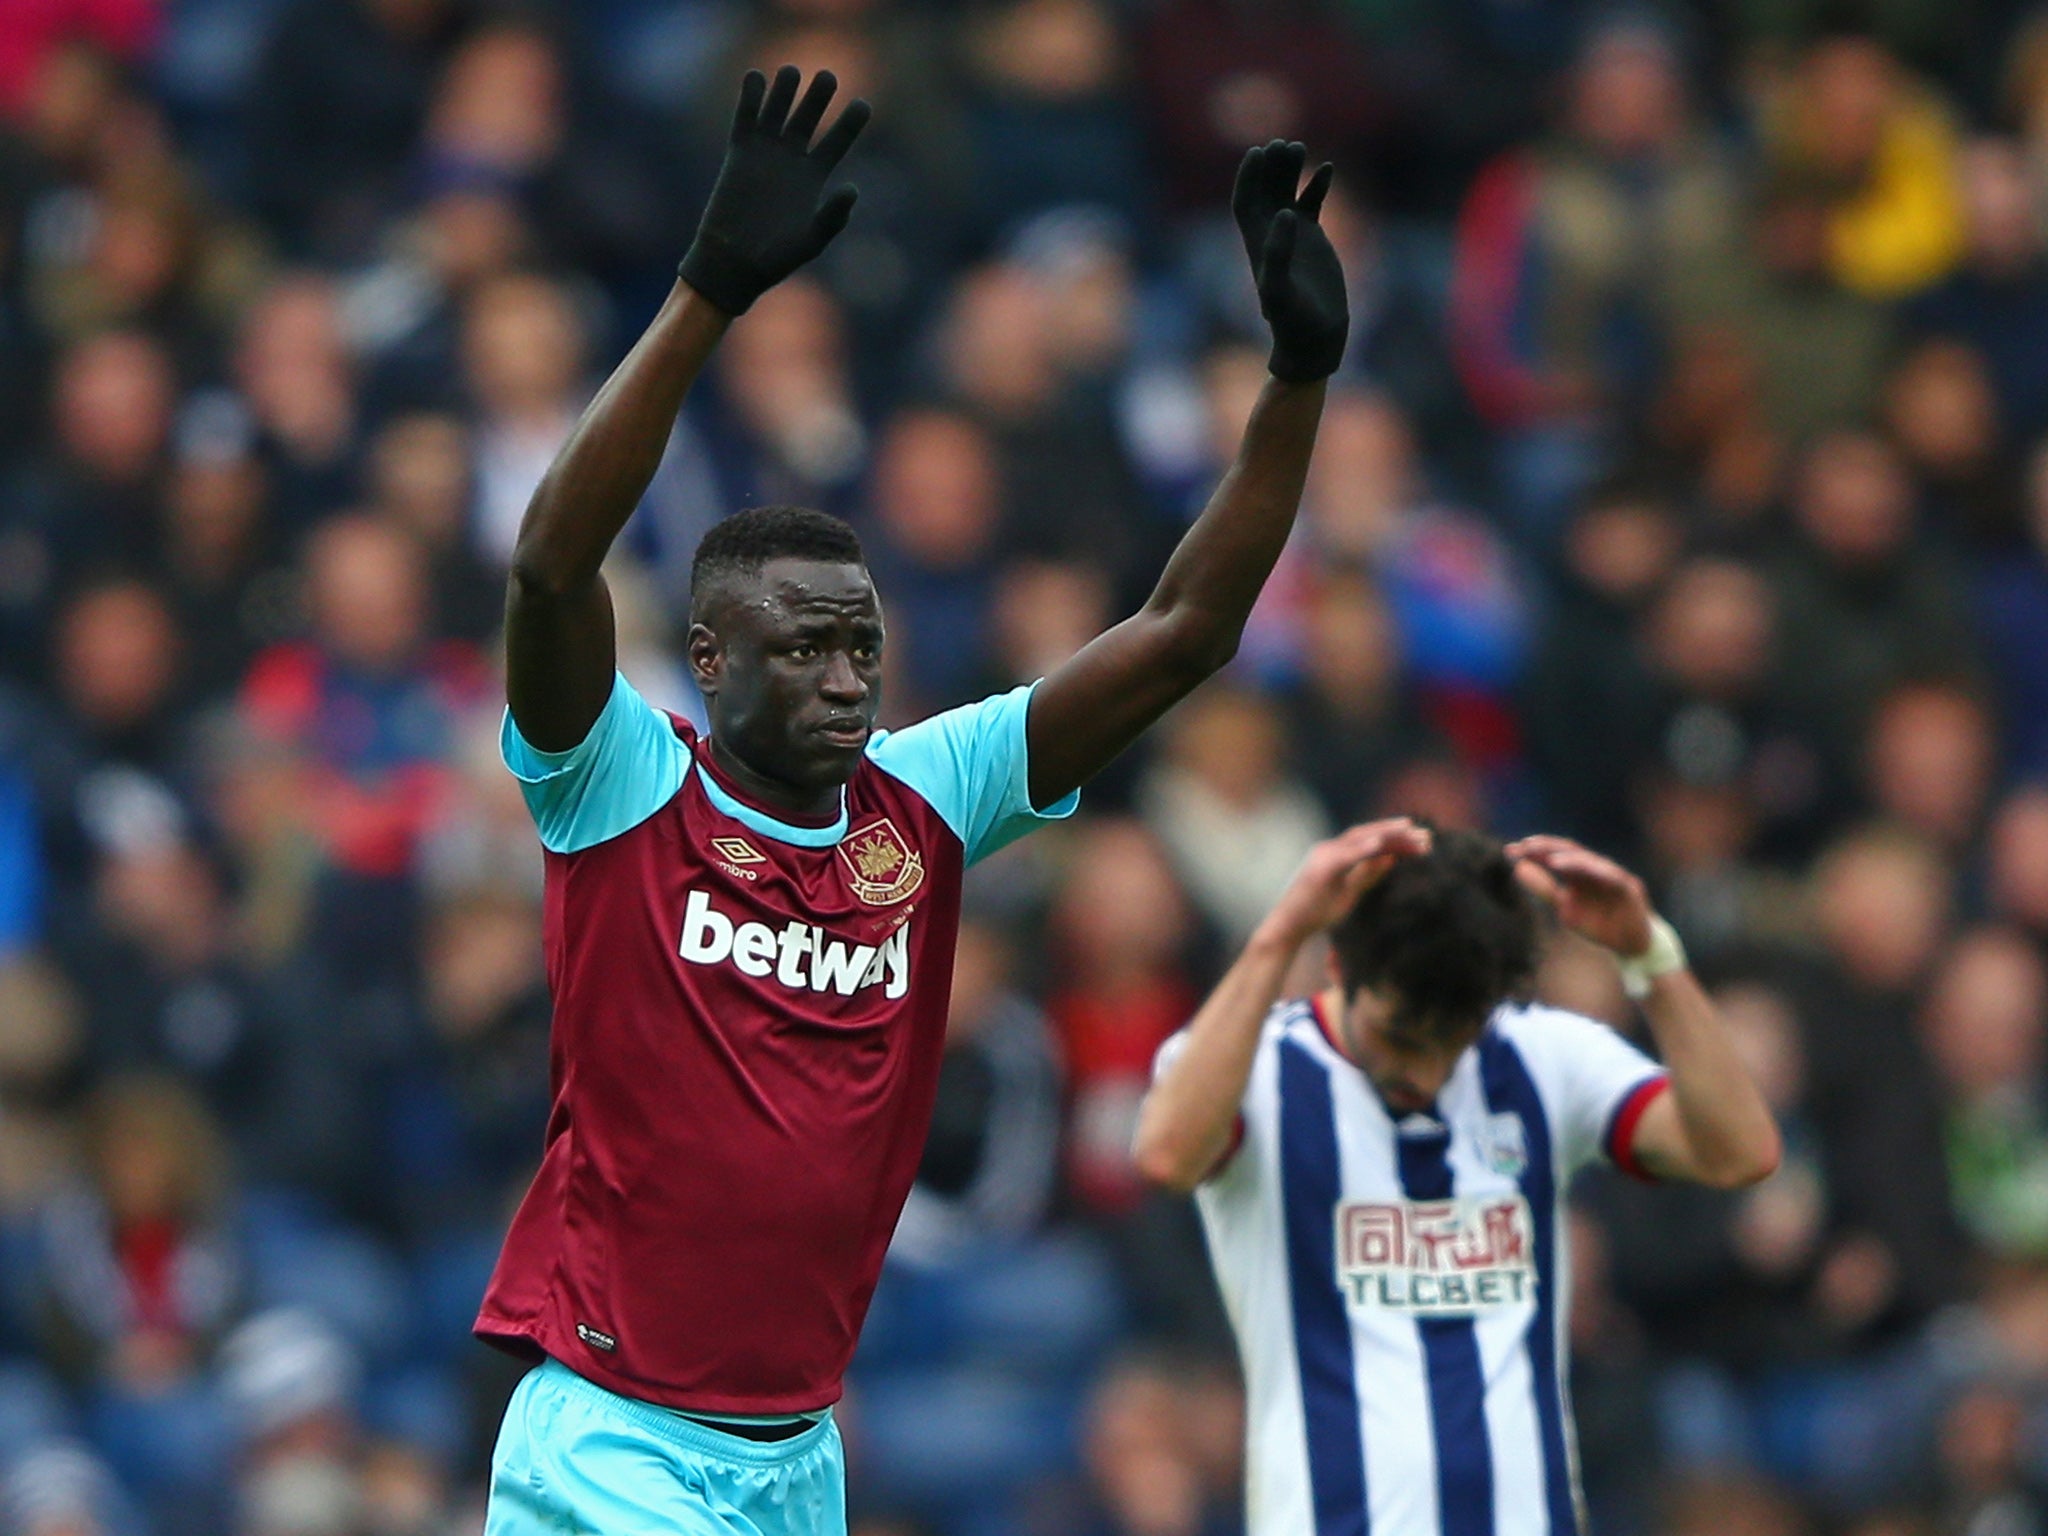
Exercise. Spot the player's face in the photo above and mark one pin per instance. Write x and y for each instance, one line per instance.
(1406, 1062)
(791, 676)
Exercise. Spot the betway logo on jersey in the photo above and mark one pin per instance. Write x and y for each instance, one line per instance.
(798, 955)
(1437, 1258)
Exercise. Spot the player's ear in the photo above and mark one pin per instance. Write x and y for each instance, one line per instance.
(707, 658)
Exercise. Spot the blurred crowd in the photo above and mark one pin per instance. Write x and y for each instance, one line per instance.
(1685, 490)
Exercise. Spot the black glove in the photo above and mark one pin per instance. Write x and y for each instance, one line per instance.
(769, 212)
(1301, 283)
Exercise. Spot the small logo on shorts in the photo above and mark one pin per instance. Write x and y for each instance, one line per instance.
(880, 865)
(595, 1338)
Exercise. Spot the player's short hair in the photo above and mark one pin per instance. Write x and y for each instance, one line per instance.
(1451, 934)
(750, 538)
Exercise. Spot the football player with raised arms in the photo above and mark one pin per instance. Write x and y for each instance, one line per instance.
(749, 933)
(1381, 1170)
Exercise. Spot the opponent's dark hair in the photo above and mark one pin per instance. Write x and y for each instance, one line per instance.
(750, 538)
(1451, 934)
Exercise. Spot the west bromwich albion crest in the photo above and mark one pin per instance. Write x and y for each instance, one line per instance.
(1505, 1144)
(880, 865)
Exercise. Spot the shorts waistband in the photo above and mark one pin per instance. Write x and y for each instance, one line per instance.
(679, 1428)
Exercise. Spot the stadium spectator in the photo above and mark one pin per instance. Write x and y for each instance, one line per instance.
(1984, 1021)
(522, 360)
(1929, 761)
(1860, 604)
(336, 103)
(294, 368)
(939, 521)
(1881, 146)
(1225, 808)
(1119, 927)
(1579, 256)
(2017, 859)
(1997, 300)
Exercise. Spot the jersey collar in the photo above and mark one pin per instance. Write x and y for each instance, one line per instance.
(757, 820)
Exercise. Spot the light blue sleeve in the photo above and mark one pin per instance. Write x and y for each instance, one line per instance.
(627, 768)
(972, 767)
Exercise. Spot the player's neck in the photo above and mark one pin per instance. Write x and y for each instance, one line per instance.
(772, 794)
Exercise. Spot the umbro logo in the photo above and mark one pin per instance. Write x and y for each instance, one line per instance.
(735, 854)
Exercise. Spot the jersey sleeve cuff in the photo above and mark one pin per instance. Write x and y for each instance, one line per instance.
(529, 764)
(1020, 789)
(1620, 1140)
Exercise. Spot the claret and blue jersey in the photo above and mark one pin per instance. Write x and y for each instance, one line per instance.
(1399, 1284)
(749, 1015)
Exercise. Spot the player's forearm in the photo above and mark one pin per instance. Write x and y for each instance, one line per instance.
(603, 470)
(1187, 1120)
(1207, 590)
(1729, 1136)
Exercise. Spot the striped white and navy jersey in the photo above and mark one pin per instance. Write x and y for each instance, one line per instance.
(1399, 1288)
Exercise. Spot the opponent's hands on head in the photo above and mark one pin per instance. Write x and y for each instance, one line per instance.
(769, 211)
(1593, 896)
(1300, 281)
(1338, 871)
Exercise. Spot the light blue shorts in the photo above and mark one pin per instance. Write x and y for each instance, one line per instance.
(573, 1457)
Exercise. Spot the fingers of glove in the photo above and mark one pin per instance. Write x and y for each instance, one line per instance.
(775, 111)
(1283, 171)
(1310, 204)
(838, 139)
(831, 216)
(803, 122)
(1244, 196)
(1278, 255)
(753, 86)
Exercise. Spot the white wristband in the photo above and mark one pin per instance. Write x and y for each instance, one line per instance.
(1665, 955)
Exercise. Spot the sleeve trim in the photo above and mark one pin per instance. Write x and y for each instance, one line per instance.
(1620, 1141)
(1061, 808)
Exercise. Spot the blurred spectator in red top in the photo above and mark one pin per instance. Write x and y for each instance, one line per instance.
(137, 1267)
(370, 702)
(1119, 927)
(1578, 258)
(37, 28)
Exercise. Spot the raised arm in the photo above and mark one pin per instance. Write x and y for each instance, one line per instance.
(1088, 711)
(1713, 1127)
(1184, 1126)
(769, 214)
